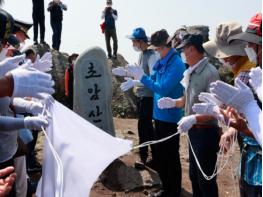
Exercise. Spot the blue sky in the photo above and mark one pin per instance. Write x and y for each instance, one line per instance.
(81, 22)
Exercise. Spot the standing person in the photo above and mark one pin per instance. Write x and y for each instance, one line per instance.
(110, 15)
(56, 8)
(200, 128)
(233, 54)
(165, 82)
(69, 79)
(38, 16)
(147, 59)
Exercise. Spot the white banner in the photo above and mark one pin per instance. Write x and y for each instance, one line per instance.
(84, 151)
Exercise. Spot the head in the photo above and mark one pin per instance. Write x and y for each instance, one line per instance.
(139, 39)
(160, 43)
(21, 36)
(192, 48)
(7, 29)
(31, 54)
(109, 3)
(220, 48)
(253, 39)
(72, 58)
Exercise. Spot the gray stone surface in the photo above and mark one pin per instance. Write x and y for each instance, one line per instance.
(93, 89)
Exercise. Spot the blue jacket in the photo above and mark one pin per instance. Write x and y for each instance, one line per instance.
(165, 82)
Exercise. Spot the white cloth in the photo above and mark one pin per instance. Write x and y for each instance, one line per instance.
(85, 151)
(188, 72)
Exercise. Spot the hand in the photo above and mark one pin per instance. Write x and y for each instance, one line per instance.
(35, 123)
(235, 119)
(30, 82)
(119, 71)
(6, 183)
(238, 97)
(227, 139)
(166, 103)
(44, 64)
(256, 81)
(135, 71)
(186, 123)
(209, 98)
(130, 83)
(34, 108)
(209, 109)
(10, 63)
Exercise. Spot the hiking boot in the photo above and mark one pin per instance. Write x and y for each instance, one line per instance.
(43, 42)
(109, 56)
(35, 42)
(114, 56)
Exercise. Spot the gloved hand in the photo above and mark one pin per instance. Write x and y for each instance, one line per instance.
(237, 97)
(43, 64)
(166, 103)
(186, 123)
(25, 106)
(35, 123)
(209, 109)
(119, 71)
(30, 82)
(10, 63)
(256, 81)
(209, 98)
(135, 71)
(130, 83)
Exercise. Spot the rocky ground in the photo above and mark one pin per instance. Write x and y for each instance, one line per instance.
(122, 179)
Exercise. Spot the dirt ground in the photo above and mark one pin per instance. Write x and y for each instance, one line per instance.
(127, 129)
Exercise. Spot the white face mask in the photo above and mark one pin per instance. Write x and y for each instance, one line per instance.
(252, 56)
(183, 57)
(3, 54)
(136, 49)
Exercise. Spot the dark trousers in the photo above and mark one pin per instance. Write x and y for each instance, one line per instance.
(247, 190)
(145, 124)
(56, 38)
(108, 35)
(30, 157)
(167, 159)
(205, 143)
(39, 19)
(4, 165)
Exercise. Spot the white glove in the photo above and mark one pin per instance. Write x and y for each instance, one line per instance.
(30, 82)
(128, 84)
(237, 97)
(166, 103)
(24, 106)
(209, 98)
(209, 109)
(135, 71)
(44, 64)
(256, 81)
(35, 123)
(119, 71)
(186, 123)
(10, 63)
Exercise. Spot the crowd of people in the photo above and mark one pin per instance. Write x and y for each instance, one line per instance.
(182, 93)
(176, 86)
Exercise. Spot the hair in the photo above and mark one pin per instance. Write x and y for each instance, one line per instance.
(198, 47)
(70, 58)
(29, 52)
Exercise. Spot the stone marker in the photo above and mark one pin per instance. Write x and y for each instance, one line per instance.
(93, 89)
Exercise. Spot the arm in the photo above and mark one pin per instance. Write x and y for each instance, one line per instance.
(103, 14)
(171, 79)
(64, 6)
(50, 5)
(115, 14)
(6, 86)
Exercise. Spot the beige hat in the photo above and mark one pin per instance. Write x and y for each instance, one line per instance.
(219, 47)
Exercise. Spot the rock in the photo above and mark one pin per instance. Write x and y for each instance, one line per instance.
(93, 89)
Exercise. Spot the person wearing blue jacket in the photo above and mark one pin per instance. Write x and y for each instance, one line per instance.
(165, 82)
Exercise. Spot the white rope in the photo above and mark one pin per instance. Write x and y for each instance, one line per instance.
(219, 166)
(58, 161)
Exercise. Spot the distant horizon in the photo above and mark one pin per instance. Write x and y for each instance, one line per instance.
(81, 24)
